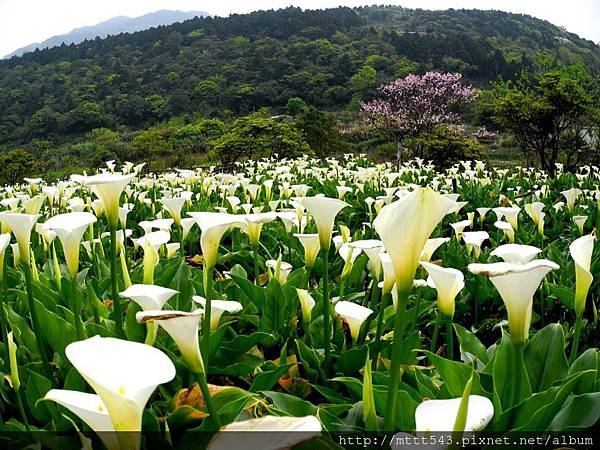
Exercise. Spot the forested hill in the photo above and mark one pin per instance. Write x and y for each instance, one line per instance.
(229, 66)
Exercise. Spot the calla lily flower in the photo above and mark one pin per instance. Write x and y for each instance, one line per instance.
(354, 315)
(70, 228)
(91, 409)
(448, 282)
(108, 187)
(516, 253)
(580, 222)
(307, 303)
(571, 197)
(148, 296)
(183, 329)
(323, 210)
(460, 226)
(273, 433)
(213, 226)
(21, 226)
(431, 245)
(124, 375)
(507, 228)
(281, 269)
(534, 210)
(473, 241)
(404, 227)
(311, 245)
(581, 251)
(516, 284)
(389, 277)
(174, 205)
(440, 415)
(218, 307)
(373, 249)
(252, 225)
(511, 214)
(4, 243)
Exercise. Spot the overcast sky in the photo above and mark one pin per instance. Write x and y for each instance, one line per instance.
(23, 22)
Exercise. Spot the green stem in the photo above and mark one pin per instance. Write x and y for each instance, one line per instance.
(207, 274)
(436, 331)
(384, 302)
(76, 307)
(23, 414)
(449, 338)
(118, 314)
(519, 372)
(576, 336)
(210, 405)
(2, 313)
(392, 397)
(256, 275)
(35, 323)
(325, 309)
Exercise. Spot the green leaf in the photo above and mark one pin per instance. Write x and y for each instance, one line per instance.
(133, 330)
(587, 361)
(266, 380)
(507, 367)
(291, 405)
(243, 343)
(23, 334)
(310, 358)
(470, 344)
(455, 376)
(254, 293)
(545, 358)
(579, 412)
(57, 330)
(369, 415)
(461, 417)
(36, 388)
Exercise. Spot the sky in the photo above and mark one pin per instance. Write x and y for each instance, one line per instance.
(23, 22)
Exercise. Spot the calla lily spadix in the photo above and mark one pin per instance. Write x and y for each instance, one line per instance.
(404, 227)
(323, 211)
(354, 315)
(272, 433)
(124, 374)
(440, 415)
(516, 284)
(516, 253)
(218, 308)
(21, 226)
(581, 251)
(149, 296)
(70, 228)
(448, 282)
(108, 187)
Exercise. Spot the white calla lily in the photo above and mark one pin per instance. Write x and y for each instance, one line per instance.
(21, 226)
(404, 227)
(311, 245)
(124, 374)
(581, 251)
(354, 315)
(307, 303)
(108, 187)
(516, 253)
(213, 226)
(148, 296)
(448, 282)
(440, 415)
(323, 210)
(516, 284)
(218, 307)
(70, 228)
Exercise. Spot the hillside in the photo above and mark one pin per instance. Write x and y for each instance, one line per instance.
(230, 66)
(113, 26)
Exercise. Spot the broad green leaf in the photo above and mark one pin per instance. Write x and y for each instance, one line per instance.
(587, 361)
(469, 343)
(267, 379)
(455, 376)
(511, 383)
(579, 412)
(545, 358)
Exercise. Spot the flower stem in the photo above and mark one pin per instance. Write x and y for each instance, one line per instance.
(207, 275)
(256, 275)
(519, 372)
(210, 405)
(392, 397)
(576, 336)
(35, 322)
(326, 313)
(22, 413)
(76, 307)
(436, 331)
(449, 338)
(385, 299)
(115, 287)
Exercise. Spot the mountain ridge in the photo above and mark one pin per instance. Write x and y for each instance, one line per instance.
(113, 26)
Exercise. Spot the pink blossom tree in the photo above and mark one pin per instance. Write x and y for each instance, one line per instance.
(413, 104)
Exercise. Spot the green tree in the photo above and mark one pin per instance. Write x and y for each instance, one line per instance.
(549, 114)
(295, 106)
(321, 133)
(260, 137)
(16, 164)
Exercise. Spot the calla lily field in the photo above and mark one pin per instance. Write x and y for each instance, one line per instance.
(302, 296)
